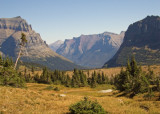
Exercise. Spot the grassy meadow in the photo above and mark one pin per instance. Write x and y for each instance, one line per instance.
(42, 99)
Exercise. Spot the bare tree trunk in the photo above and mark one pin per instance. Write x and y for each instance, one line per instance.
(18, 58)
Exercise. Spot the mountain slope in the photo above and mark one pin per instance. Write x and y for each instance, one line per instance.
(36, 50)
(54, 46)
(141, 39)
(91, 50)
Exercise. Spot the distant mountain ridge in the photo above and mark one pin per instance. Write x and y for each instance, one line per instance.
(54, 46)
(91, 50)
(142, 39)
(36, 50)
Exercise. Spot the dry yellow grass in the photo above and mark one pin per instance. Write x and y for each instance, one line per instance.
(37, 100)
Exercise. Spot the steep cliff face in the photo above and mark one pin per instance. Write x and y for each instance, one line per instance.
(91, 50)
(36, 50)
(17, 24)
(141, 39)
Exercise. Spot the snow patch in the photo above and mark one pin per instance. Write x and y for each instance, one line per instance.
(105, 91)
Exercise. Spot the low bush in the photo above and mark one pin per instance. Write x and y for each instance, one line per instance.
(86, 107)
(56, 89)
(9, 77)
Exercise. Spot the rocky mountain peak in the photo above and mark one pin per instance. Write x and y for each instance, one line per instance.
(54, 46)
(91, 50)
(142, 39)
(36, 50)
(145, 29)
(16, 23)
(18, 17)
(152, 17)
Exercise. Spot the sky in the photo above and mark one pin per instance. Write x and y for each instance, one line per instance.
(65, 19)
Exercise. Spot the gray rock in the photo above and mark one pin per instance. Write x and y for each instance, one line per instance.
(36, 50)
(91, 50)
(142, 39)
(54, 46)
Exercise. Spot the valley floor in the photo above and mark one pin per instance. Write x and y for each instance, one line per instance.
(41, 99)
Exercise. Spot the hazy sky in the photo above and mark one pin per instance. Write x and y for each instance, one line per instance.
(64, 19)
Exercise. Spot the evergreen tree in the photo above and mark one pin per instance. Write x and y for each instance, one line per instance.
(149, 95)
(134, 68)
(45, 77)
(32, 69)
(73, 82)
(29, 78)
(141, 85)
(104, 78)
(36, 78)
(128, 81)
(120, 80)
(6, 62)
(68, 81)
(22, 44)
(53, 77)
(133, 79)
(150, 75)
(99, 80)
(94, 80)
(1, 60)
(63, 79)
(48, 81)
(89, 80)
(83, 79)
(76, 82)
(88, 73)
(25, 73)
(9, 76)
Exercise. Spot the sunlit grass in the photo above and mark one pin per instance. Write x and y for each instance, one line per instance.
(37, 99)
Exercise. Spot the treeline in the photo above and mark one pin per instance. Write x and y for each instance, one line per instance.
(78, 79)
(133, 80)
(9, 76)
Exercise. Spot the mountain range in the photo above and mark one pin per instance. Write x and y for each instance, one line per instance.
(142, 39)
(90, 50)
(54, 46)
(35, 51)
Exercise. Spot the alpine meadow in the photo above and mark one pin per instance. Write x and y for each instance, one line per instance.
(76, 66)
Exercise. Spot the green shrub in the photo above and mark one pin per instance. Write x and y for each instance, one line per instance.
(56, 89)
(86, 107)
(10, 77)
(49, 88)
(149, 95)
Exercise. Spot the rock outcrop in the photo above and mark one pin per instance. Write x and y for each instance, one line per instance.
(142, 39)
(36, 50)
(91, 50)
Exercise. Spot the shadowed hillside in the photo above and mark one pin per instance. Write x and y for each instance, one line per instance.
(141, 39)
